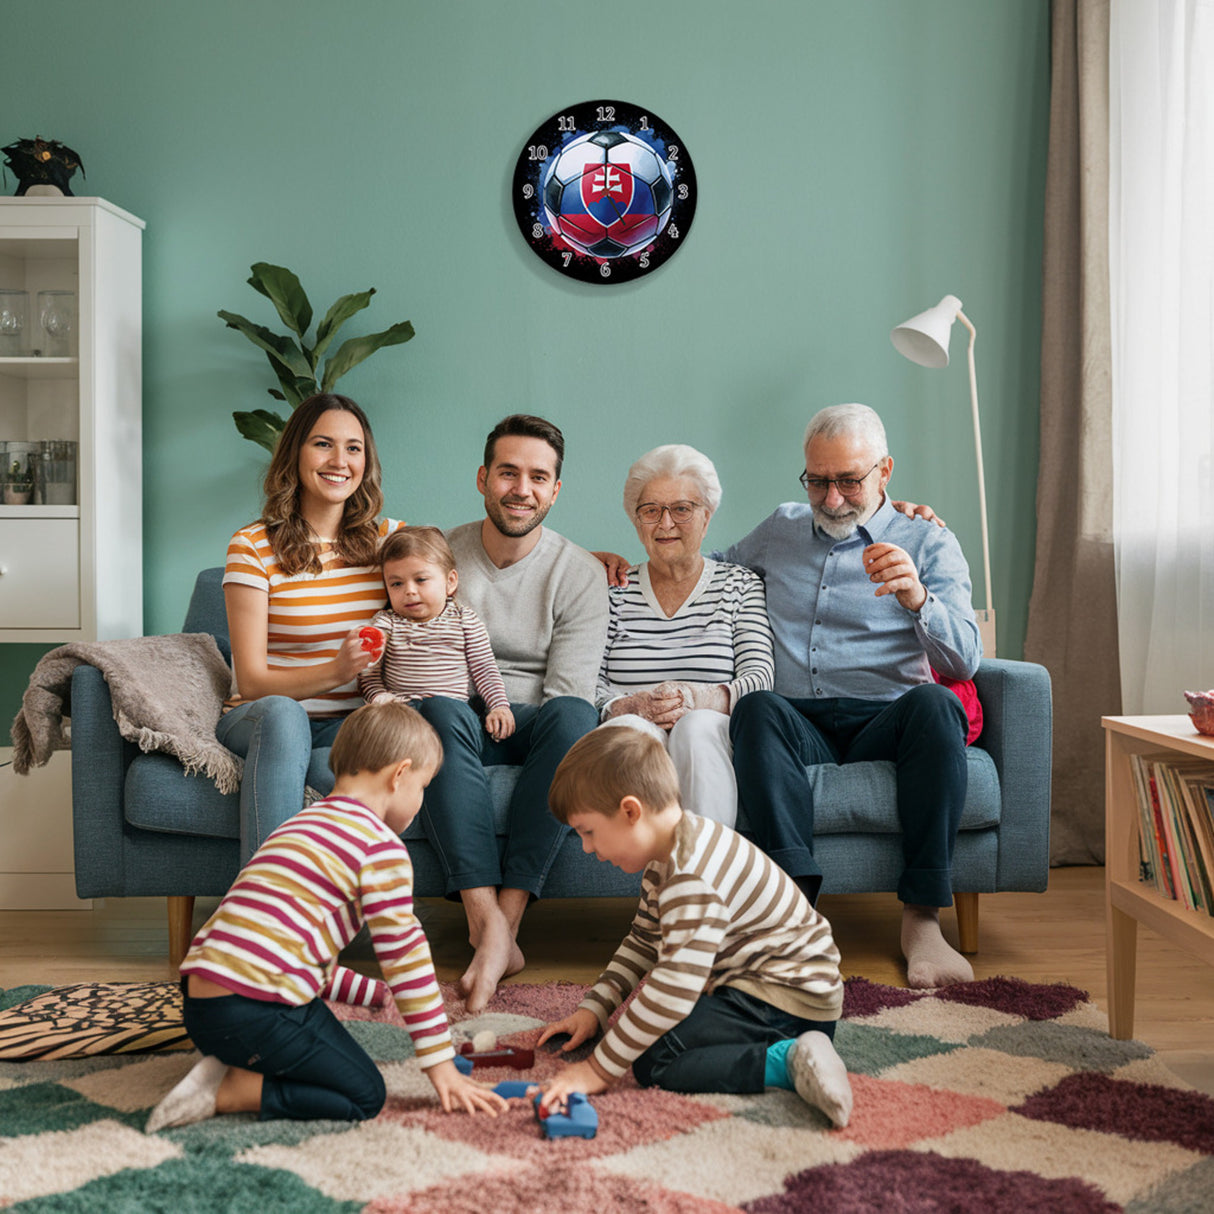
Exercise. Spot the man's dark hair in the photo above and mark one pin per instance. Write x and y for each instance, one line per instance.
(524, 425)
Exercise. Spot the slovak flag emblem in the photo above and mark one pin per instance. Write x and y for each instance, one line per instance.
(607, 191)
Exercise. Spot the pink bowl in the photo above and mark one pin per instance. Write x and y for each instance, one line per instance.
(1201, 705)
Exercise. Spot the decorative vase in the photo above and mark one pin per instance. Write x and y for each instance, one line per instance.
(1201, 710)
(17, 497)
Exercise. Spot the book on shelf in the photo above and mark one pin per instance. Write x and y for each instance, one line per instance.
(1175, 797)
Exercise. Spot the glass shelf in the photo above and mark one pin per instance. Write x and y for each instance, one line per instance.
(40, 368)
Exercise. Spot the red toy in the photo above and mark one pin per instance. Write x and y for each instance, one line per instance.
(505, 1055)
(372, 639)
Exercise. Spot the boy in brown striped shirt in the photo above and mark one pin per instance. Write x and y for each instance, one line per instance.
(743, 988)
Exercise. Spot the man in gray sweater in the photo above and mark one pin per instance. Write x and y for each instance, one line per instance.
(544, 602)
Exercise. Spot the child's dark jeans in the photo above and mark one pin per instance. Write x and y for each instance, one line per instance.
(313, 1068)
(721, 1045)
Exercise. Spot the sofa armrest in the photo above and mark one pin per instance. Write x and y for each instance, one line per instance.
(1017, 732)
(100, 757)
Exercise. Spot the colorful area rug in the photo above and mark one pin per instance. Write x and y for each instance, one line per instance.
(992, 1096)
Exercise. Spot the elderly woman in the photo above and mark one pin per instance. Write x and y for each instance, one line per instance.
(687, 636)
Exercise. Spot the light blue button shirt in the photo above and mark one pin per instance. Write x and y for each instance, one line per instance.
(833, 635)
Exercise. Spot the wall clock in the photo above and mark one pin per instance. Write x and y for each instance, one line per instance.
(604, 191)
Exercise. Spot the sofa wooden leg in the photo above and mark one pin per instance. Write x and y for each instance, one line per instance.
(181, 920)
(967, 921)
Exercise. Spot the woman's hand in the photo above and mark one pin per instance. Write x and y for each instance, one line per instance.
(499, 723)
(697, 696)
(918, 510)
(581, 1024)
(662, 709)
(615, 565)
(456, 1091)
(353, 657)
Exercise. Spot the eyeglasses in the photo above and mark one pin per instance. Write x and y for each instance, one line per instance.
(847, 485)
(681, 513)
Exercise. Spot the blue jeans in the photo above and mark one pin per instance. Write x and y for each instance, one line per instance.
(277, 741)
(721, 1045)
(923, 731)
(312, 1067)
(457, 812)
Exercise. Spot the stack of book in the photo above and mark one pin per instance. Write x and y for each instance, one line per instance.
(1176, 835)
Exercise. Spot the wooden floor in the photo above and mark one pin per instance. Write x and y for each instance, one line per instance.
(1057, 936)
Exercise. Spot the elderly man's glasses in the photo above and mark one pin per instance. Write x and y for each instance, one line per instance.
(847, 485)
(681, 513)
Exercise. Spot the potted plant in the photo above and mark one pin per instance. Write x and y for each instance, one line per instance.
(294, 360)
(18, 484)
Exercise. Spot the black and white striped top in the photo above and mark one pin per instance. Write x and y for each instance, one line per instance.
(719, 635)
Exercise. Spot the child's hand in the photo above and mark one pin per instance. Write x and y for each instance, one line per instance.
(456, 1091)
(576, 1077)
(382, 697)
(581, 1025)
(499, 723)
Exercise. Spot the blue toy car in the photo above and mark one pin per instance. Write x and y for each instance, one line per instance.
(579, 1120)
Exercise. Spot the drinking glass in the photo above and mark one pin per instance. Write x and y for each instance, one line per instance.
(57, 317)
(14, 314)
(58, 472)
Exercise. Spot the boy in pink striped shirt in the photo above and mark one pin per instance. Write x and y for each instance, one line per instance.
(257, 974)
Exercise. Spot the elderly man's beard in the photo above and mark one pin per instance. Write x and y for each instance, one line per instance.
(838, 524)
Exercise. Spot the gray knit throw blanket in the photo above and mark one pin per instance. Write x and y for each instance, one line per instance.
(168, 692)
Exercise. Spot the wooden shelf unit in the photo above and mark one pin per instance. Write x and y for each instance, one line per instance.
(1129, 901)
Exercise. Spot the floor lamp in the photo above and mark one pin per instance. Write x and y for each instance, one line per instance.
(924, 340)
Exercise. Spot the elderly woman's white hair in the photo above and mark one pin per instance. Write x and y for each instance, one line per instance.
(672, 459)
(857, 421)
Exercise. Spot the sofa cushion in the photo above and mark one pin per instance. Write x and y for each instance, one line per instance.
(857, 798)
(861, 798)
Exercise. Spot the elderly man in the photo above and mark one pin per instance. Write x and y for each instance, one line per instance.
(864, 603)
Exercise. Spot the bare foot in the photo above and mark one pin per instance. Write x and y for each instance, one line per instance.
(497, 956)
(930, 960)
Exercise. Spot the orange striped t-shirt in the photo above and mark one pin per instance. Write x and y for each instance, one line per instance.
(310, 613)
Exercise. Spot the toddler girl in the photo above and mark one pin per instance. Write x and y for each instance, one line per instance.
(432, 644)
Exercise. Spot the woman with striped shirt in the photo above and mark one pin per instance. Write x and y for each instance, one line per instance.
(298, 585)
(687, 636)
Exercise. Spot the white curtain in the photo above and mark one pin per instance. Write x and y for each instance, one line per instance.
(1161, 264)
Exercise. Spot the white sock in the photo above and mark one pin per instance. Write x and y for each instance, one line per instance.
(930, 960)
(819, 1076)
(193, 1099)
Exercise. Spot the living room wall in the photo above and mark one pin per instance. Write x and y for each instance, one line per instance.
(855, 163)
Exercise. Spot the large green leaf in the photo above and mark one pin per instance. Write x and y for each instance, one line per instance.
(261, 426)
(285, 292)
(282, 350)
(337, 316)
(351, 353)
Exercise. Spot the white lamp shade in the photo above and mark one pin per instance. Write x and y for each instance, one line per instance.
(924, 338)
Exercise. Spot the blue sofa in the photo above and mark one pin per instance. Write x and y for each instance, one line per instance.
(142, 827)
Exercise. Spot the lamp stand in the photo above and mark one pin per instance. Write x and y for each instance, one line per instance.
(986, 619)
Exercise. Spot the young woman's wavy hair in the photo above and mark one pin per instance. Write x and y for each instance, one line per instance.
(290, 536)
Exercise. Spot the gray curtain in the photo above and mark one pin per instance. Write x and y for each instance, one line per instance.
(1072, 625)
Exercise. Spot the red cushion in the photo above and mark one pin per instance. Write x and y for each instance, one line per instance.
(968, 695)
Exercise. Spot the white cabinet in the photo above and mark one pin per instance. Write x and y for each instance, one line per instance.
(71, 559)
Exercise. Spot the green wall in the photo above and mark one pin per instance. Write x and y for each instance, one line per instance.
(855, 163)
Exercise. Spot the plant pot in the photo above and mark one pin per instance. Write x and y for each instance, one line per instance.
(17, 497)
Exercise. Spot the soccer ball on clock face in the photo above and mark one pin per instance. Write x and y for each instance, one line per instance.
(608, 194)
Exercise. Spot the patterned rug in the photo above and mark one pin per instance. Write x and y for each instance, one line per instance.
(992, 1096)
